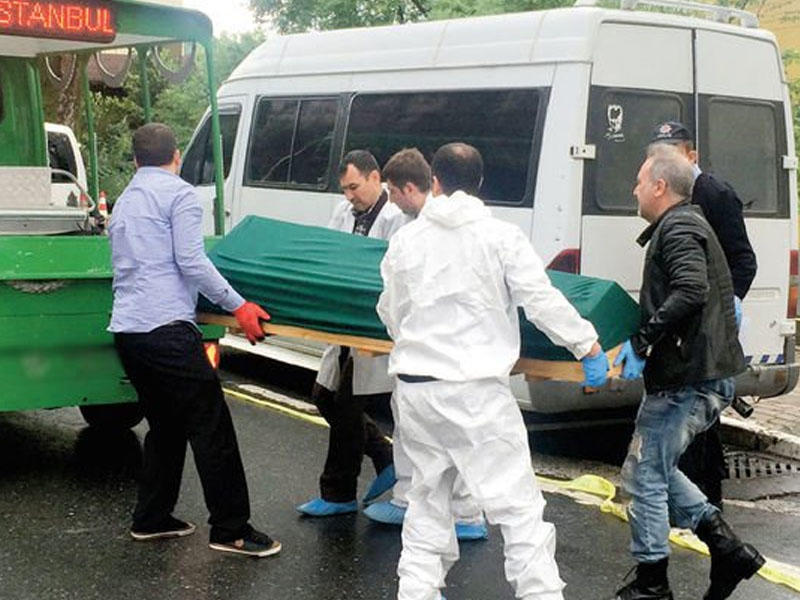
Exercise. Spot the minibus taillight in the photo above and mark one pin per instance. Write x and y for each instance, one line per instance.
(568, 261)
(791, 310)
(212, 353)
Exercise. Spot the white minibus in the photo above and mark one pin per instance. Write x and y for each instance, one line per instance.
(561, 103)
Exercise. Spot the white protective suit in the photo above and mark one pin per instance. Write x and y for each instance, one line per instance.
(462, 504)
(369, 374)
(464, 508)
(453, 280)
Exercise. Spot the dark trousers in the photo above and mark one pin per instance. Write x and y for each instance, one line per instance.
(183, 401)
(352, 435)
(704, 463)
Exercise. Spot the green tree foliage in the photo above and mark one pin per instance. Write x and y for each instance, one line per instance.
(291, 16)
(119, 113)
(182, 106)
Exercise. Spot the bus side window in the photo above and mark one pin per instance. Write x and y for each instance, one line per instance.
(501, 124)
(198, 164)
(312, 146)
(747, 155)
(61, 156)
(620, 125)
(290, 143)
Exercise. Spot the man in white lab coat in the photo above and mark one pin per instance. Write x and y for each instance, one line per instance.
(347, 382)
(453, 280)
(408, 179)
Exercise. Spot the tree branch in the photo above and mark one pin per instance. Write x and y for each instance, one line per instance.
(420, 7)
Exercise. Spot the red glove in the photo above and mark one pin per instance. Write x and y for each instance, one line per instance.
(248, 315)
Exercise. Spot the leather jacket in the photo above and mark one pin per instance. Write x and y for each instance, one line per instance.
(688, 330)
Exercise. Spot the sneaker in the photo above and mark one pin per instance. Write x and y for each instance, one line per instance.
(381, 484)
(169, 528)
(254, 543)
(322, 508)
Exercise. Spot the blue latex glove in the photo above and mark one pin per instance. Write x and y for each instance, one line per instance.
(595, 369)
(633, 364)
(737, 311)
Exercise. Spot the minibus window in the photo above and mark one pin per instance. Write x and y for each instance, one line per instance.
(312, 145)
(271, 141)
(291, 142)
(193, 159)
(499, 123)
(59, 150)
(198, 164)
(621, 123)
(742, 145)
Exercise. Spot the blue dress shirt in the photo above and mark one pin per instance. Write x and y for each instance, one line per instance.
(158, 255)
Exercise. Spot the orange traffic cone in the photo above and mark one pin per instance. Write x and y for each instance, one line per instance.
(102, 205)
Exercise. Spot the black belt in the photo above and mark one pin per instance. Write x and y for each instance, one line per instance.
(416, 378)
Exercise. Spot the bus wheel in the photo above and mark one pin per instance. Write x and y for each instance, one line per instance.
(112, 416)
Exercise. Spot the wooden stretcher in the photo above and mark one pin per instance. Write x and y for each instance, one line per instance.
(534, 369)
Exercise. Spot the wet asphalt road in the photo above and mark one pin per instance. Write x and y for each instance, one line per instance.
(66, 493)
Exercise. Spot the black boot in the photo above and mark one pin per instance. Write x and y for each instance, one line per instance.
(650, 583)
(731, 559)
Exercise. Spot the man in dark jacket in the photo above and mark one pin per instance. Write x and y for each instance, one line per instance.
(687, 347)
(704, 462)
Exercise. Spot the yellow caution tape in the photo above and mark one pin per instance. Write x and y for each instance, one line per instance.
(597, 487)
(773, 571)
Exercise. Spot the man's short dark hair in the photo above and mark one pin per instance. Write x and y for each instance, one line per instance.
(361, 160)
(154, 145)
(408, 166)
(458, 166)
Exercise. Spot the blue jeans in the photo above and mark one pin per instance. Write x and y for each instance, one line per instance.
(661, 494)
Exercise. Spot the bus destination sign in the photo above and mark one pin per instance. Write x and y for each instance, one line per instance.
(78, 20)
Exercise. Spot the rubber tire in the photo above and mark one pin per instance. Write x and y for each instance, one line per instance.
(112, 417)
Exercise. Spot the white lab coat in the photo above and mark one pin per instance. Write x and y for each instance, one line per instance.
(453, 280)
(388, 221)
(369, 374)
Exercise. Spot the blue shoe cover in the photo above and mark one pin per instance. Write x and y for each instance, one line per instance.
(322, 508)
(382, 483)
(472, 531)
(386, 512)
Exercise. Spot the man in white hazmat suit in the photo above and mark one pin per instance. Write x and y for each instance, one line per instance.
(453, 280)
(408, 179)
(346, 382)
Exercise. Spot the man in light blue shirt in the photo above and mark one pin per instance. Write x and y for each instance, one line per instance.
(159, 257)
(160, 266)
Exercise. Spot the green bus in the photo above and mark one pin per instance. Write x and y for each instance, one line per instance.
(55, 270)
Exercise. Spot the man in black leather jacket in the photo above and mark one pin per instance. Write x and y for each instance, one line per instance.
(688, 349)
(704, 461)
